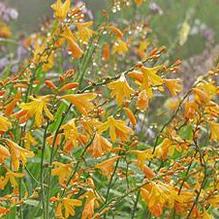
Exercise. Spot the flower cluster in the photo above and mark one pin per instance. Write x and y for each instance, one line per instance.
(72, 141)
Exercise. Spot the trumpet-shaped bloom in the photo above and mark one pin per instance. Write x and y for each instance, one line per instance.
(84, 32)
(18, 154)
(99, 146)
(117, 128)
(106, 166)
(214, 128)
(10, 177)
(73, 46)
(173, 85)
(120, 89)
(63, 171)
(29, 140)
(61, 9)
(120, 47)
(36, 108)
(82, 102)
(5, 124)
(4, 154)
(65, 207)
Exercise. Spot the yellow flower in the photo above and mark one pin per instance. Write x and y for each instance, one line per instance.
(214, 128)
(88, 210)
(61, 9)
(29, 140)
(36, 108)
(150, 77)
(73, 46)
(120, 89)
(158, 195)
(63, 171)
(117, 128)
(99, 146)
(201, 96)
(18, 154)
(164, 148)
(4, 154)
(81, 101)
(147, 78)
(10, 177)
(84, 32)
(106, 166)
(173, 85)
(5, 31)
(40, 56)
(67, 205)
(5, 124)
(120, 47)
(142, 156)
(70, 131)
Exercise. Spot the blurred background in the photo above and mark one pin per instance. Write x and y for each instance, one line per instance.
(188, 28)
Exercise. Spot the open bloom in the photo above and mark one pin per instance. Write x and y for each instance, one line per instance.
(61, 9)
(4, 154)
(84, 32)
(173, 85)
(117, 128)
(5, 124)
(120, 89)
(120, 47)
(10, 177)
(65, 207)
(99, 146)
(36, 108)
(82, 102)
(214, 128)
(106, 166)
(18, 154)
(72, 44)
(63, 171)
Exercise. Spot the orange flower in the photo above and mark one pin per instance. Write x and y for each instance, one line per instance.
(173, 85)
(13, 103)
(106, 166)
(66, 206)
(10, 177)
(3, 211)
(63, 171)
(5, 124)
(99, 146)
(138, 2)
(73, 46)
(120, 89)
(81, 101)
(158, 195)
(18, 154)
(35, 109)
(190, 109)
(106, 52)
(131, 116)
(4, 154)
(117, 128)
(61, 9)
(143, 100)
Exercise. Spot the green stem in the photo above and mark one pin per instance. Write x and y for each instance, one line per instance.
(41, 170)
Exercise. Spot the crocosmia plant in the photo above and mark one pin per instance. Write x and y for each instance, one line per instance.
(95, 122)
